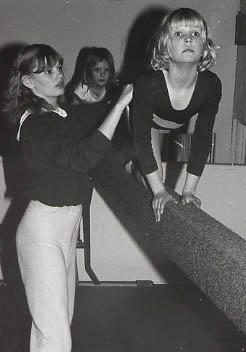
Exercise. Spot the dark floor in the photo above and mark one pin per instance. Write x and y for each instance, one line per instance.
(166, 318)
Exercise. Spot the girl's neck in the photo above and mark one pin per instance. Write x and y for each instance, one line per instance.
(181, 76)
(97, 91)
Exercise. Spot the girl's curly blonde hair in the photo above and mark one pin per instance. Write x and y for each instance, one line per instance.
(181, 17)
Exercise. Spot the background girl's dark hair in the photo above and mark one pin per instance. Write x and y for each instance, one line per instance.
(86, 61)
(18, 98)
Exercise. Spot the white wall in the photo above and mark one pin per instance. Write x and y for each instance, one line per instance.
(222, 190)
(69, 25)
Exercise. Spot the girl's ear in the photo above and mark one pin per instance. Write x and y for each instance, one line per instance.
(205, 53)
(27, 81)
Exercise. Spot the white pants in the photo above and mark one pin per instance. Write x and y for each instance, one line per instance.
(46, 245)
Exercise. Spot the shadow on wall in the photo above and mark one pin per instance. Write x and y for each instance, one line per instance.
(8, 54)
(140, 35)
(9, 152)
(135, 62)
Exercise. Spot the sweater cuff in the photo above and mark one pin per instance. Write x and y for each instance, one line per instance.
(101, 142)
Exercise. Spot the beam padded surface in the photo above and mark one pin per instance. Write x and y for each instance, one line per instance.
(210, 254)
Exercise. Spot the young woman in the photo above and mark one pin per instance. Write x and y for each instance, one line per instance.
(56, 158)
(178, 87)
(93, 76)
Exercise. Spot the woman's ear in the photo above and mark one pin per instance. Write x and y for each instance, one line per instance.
(27, 81)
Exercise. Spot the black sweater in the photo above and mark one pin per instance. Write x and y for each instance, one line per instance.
(151, 97)
(56, 158)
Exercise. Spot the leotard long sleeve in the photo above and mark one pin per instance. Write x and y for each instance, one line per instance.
(151, 99)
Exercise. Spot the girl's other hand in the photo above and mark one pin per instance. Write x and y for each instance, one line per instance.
(190, 198)
(159, 201)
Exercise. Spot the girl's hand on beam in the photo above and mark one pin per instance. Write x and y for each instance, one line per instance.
(190, 198)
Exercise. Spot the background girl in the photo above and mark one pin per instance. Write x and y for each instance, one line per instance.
(178, 87)
(93, 76)
(93, 90)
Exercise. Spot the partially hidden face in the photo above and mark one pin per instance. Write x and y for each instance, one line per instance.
(101, 73)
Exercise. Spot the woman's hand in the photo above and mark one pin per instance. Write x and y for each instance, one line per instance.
(125, 96)
(159, 201)
(110, 122)
(190, 198)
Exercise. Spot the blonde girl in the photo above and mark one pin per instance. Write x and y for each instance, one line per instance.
(178, 86)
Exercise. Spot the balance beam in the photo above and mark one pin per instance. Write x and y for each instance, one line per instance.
(210, 254)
